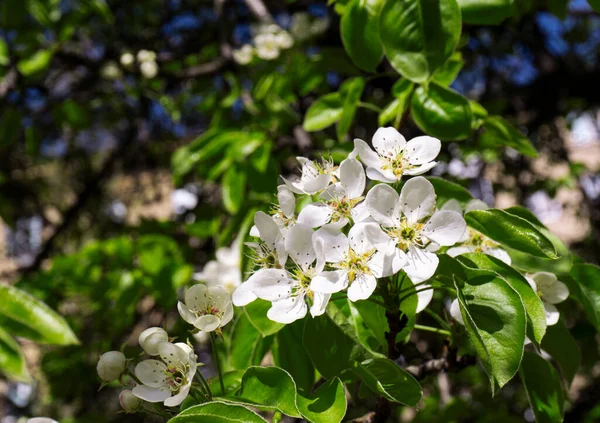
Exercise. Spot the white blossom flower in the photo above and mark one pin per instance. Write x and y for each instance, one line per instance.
(40, 420)
(357, 262)
(267, 47)
(127, 59)
(208, 308)
(342, 201)
(111, 365)
(146, 56)
(285, 213)
(149, 69)
(110, 71)
(167, 380)
(472, 240)
(455, 312)
(316, 176)
(394, 157)
(243, 55)
(287, 289)
(301, 26)
(225, 271)
(129, 402)
(409, 224)
(319, 26)
(151, 338)
(284, 40)
(551, 291)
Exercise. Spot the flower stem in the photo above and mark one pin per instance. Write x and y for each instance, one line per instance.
(204, 383)
(432, 329)
(213, 341)
(133, 376)
(437, 318)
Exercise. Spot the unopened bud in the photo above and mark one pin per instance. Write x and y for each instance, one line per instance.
(129, 402)
(150, 338)
(111, 365)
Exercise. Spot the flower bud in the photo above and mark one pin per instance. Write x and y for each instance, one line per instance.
(150, 338)
(111, 365)
(129, 402)
(127, 59)
(149, 69)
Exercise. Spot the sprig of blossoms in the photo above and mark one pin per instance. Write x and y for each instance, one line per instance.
(268, 40)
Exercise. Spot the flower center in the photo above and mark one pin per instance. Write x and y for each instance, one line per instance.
(396, 162)
(176, 376)
(478, 241)
(406, 235)
(355, 263)
(264, 257)
(342, 207)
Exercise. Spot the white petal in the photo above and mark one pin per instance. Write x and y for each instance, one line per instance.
(218, 297)
(552, 313)
(293, 186)
(457, 251)
(366, 155)
(335, 244)
(287, 200)
(174, 401)
(455, 312)
(360, 213)
(500, 254)
(186, 348)
(150, 338)
(253, 232)
(352, 176)
(185, 313)
(243, 295)
(378, 174)
(417, 199)
(388, 142)
(358, 239)
(227, 314)
(446, 227)
(271, 284)
(298, 244)
(207, 323)
(476, 205)
(421, 150)
(151, 394)
(531, 283)
(453, 205)
(556, 293)
(319, 304)
(317, 184)
(421, 264)
(315, 215)
(423, 298)
(172, 354)
(288, 310)
(362, 287)
(209, 272)
(383, 204)
(379, 238)
(196, 298)
(420, 169)
(151, 373)
(319, 247)
(384, 265)
(330, 282)
(228, 255)
(267, 228)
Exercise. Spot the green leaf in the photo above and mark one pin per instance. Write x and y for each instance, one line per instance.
(561, 345)
(21, 307)
(497, 131)
(449, 71)
(35, 63)
(257, 314)
(370, 323)
(246, 347)
(485, 12)
(402, 90)
(4, 57)
(528, 263)
(324, 112)
(234, 189)
(385, 377)
(511, 231)
(270, 388)
(441, 112)
(495, 321)
(595, 4)
(536, 314)
(543, 389)
(231, 380)
(217, 412)
(587, 290)
(418, 36)
(526, 214)
(290, 355)
(351, 91)
(12, 362)
(326, 405)
(446, 190)
(360, 33)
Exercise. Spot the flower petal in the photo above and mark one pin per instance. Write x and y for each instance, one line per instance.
(362, 287)
(207, 323)
(151, 394)
(352, 176)
(552, 314)
(384, 265)
(330, 282)
(500, 254)
(271, 284)
(184, 391)
(379, 238)
(476, 205)
(218, 296)
(377, 174)
(388, 142)
(417, 199)
(383, 204)
(423, 298)
(298, 244)
(335, 244)
(421, 264)
(453, 205)
(243, 295)
(360, 213)
(446, 227)
(320, 301)
(315, 215)
(421, 150)
(196, 298)
(358, 239)
(455, 311)
(267, 228)
(150, 338)
(185, 313)
(556, 293)
(287, 200)
(152, 373)
(172, 354)
(420, 169)
(457, 251)
(288, 310)
(366, 155)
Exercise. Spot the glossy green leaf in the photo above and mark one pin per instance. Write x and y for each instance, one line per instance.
(385, 377)
(401, 90)
(497, 131)
(536, 314)
(217, 412)
(543, 388)
(526, 214)
(371, 324)
(290, 355)
(446, 190)
(495, 321)
(326, 405)
(35, 63)
(257, 314)
(324, 112)
(587, 278)
(561, 345)
(485, 12)
(12, 362)
(231, 380)
(360, 33)
(449, 71)
(4, 57)
(441, 112)
(270, 388)
(419, 35)
(528, 263)
(511, 231)
(26, 310)
(351, 91)
(246, 347)
(234, 189)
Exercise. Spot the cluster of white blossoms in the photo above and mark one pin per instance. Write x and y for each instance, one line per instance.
(346, 240)
(268, 40)
(146, 60)
(225, 271)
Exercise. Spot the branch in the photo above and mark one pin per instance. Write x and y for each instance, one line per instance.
(259, 10)
(203, 68)
(438, 365)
